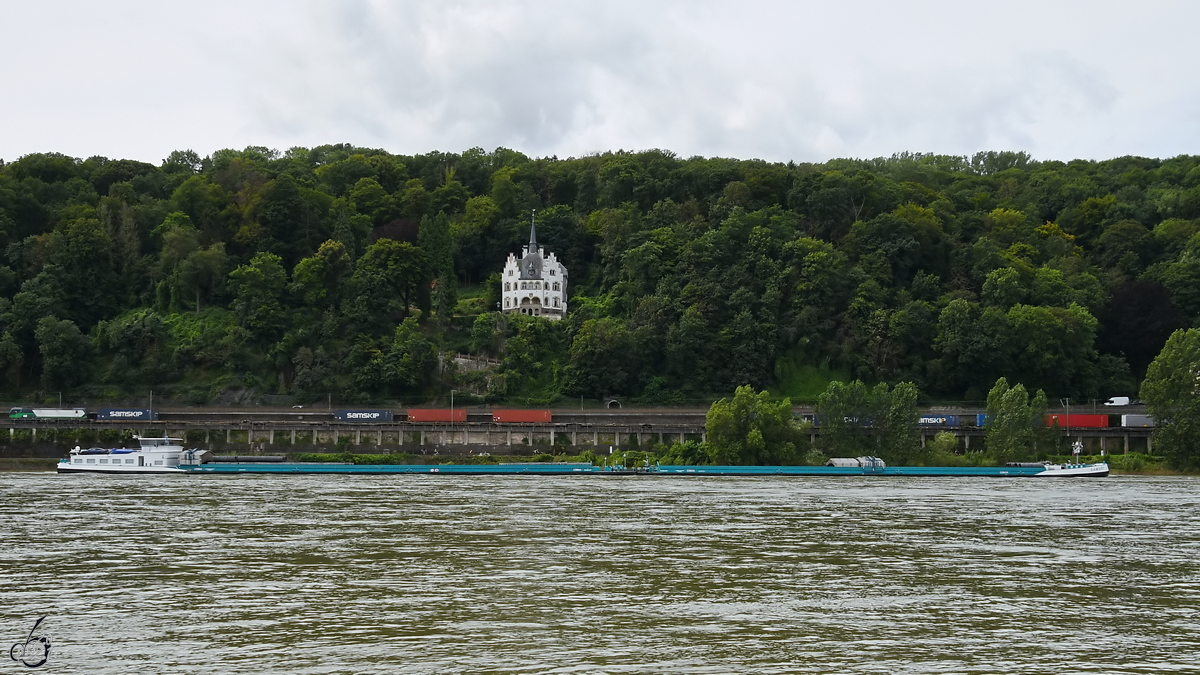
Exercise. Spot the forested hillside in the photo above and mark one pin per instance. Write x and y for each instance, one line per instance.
(353, 273)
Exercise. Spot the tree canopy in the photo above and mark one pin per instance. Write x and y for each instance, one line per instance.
(287, 272)
(750, 428)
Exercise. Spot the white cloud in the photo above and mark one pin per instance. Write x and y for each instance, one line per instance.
(778, 80)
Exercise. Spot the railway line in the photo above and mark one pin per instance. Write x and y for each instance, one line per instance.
(502, 428)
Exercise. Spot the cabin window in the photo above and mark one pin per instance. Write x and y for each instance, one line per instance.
(91, 461)
(158, 462)
(104, 461)
(129, 461)
(78, 460)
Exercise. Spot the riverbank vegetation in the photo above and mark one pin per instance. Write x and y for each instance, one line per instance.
(352, 274)
(1172, 393)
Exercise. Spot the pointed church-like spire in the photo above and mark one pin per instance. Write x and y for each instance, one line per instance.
(533, 231)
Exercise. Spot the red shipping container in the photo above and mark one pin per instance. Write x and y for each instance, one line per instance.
(1074, 421)
(437, 415)
(526, 416)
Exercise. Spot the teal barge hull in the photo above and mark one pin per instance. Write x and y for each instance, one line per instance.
(456, 469)
(586, 469)
(996, 471)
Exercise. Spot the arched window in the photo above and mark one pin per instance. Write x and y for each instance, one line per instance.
(556, 285)
(556, 302)
(551, 272)
(506, 285)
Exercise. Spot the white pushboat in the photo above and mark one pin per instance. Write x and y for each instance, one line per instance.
(1049, 469)
(154, 455)
(1076, 469)
(1095, 470)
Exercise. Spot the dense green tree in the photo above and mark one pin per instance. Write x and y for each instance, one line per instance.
(133, 336)
(206, 205)
(402, 366)
(603, 360)
(64, 351)
(11, 360)
(1172, 393)
(450, 198)
(319, 279)
(435, 241)
(856, 420)
(388, 281)
(258, 293)
(487, 333)
(1052, 346)
(750, 428)
(203, 272)
(1015, 427)
(371, 200)
(413, 201)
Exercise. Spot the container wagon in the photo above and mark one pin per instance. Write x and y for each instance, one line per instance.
(1137, 421)
(363, 415)
(938, 421)
(437, 415)
(131, 414)
(521, 416)
(866, 422)
(1074, 421)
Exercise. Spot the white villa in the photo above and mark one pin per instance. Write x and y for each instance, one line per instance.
(536, 284)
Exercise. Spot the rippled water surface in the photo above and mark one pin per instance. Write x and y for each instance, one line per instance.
(429, 574)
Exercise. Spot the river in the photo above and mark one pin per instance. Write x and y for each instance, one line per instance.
(602, 574)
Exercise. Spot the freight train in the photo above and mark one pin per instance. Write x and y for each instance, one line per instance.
(121, 414)
(448, 415)
(1064, 421)
(516, 416)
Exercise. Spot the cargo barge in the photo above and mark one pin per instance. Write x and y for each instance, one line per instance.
(167, 455)
(661, 470)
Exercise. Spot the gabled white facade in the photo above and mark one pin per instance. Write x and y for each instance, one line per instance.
(535, 284)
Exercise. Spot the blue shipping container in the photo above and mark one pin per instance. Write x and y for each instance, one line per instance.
(364, 415)
(134, 414)
(938, 420)
(854, 421)
(981, 420)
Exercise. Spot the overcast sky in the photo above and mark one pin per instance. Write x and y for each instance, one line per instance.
(803, 81)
